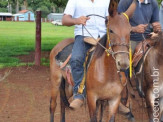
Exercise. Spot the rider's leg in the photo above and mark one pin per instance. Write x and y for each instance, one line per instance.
(79, 51)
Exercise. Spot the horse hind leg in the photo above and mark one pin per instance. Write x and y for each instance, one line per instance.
(55, 80)
(103, 106)
(100, 105)
(63, 100)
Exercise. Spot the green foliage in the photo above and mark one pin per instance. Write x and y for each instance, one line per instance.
(18, 38)
(3, 5)
(59, 3)
(159, 1)
(44, 5)
(3, 10)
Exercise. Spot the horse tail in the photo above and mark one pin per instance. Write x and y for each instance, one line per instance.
(63, 96)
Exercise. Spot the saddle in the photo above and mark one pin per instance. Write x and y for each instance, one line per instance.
(63, 57)
(141, 49)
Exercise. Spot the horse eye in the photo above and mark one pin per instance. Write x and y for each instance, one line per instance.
(111, 31)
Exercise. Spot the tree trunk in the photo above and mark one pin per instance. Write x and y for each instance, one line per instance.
(25, 4)
(9, 7)
(17, 6)
(54, 9)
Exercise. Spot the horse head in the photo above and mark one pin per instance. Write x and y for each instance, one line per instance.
(119, 34)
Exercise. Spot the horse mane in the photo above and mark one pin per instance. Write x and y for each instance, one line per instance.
(98, 49)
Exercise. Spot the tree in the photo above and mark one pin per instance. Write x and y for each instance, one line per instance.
(59, 3)
(3, 6)
(45, 11)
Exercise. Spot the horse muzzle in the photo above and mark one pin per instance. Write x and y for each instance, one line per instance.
(122, 64)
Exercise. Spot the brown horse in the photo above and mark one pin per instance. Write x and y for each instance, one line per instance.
(103, 81)
(153, 80)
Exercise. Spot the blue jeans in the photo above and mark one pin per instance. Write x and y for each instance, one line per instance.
(79, 52)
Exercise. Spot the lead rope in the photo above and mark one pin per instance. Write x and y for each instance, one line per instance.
(130, 49)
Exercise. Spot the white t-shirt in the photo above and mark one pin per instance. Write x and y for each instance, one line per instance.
(95, 25)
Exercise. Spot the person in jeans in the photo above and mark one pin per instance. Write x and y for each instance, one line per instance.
(161, 15)
(76, 13)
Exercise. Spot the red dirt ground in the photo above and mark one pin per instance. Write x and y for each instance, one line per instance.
(25, 95)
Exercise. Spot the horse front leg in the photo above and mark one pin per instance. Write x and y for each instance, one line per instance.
(113, 106)
(55, 80)
(92, 107)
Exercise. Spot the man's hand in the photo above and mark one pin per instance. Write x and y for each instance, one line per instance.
(140, 28)
(156, 27)
(81, 20)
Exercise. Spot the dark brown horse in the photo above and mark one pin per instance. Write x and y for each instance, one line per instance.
(103, 81)
(153, 80)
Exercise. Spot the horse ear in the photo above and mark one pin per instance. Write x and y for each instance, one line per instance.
(113, 7)
(131, 9)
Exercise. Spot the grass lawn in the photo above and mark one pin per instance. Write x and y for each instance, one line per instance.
(18, 38)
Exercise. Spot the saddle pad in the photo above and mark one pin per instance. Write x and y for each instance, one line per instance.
(91, 40)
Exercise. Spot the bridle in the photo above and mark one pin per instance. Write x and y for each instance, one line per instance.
(109, 51)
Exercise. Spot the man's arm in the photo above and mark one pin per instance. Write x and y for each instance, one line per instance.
(156, 27)
(67, 20)
(155, 18)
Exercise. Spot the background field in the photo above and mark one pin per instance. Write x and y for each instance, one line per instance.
(18, 38)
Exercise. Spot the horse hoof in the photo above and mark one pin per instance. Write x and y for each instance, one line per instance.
(130, 117)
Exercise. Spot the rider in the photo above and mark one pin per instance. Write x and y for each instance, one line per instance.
(145, 15)
(76, 13)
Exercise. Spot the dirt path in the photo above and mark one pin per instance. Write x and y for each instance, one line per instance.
(25, 94)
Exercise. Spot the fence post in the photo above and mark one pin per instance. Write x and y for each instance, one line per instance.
(38, 39)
